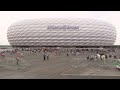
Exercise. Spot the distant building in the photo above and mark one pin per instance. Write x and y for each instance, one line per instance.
(61, 32)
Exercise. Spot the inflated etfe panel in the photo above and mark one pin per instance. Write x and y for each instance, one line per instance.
(61, 32)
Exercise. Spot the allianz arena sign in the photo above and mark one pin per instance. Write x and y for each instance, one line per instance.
(62, 27)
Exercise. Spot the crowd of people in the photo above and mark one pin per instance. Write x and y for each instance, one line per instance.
(93, 53)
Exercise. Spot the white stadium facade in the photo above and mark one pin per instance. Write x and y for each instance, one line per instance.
(61, 32)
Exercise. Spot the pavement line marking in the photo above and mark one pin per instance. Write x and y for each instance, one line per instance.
(86, 75)
(73, 74)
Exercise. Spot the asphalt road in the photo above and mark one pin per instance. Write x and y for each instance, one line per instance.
(32, 66)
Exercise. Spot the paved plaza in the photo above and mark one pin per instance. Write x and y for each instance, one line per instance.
(32, 66)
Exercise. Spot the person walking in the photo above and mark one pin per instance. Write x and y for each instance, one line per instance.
(44, 56)
(110, 56)
(17, 59)
(67, 54)
(47, 56)
(103, 58)
(115, 57)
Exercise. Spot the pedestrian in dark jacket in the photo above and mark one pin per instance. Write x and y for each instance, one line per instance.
(44, 56)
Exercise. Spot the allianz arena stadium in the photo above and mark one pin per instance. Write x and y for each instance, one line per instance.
(61, 32)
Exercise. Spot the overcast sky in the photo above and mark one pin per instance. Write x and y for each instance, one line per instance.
(9, 17)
